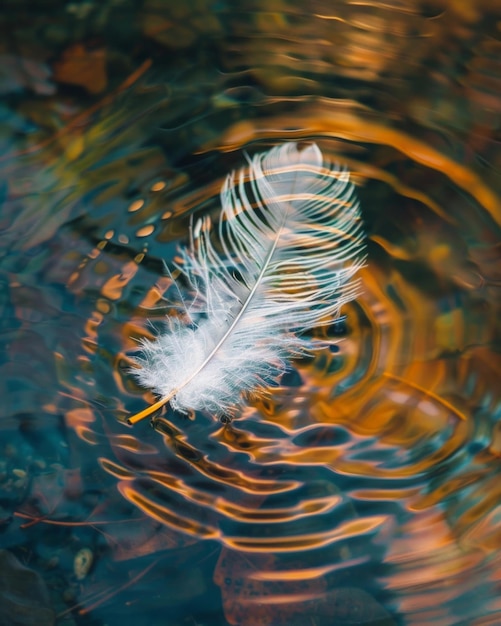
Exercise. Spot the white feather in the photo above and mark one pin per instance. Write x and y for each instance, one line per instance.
(289, 242)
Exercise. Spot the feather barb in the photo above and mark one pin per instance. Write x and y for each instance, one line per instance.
(290, 240)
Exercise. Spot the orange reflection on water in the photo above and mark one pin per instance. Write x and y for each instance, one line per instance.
(166, 515)
(81, 421)
(432, 567)
(311, 541)
(317, 119)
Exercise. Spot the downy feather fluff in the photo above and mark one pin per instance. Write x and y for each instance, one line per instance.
(288, 244)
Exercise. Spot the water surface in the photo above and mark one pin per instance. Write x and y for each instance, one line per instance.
(365, 489)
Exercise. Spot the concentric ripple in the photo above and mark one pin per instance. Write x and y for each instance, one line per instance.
(370, 477)
(327, 479)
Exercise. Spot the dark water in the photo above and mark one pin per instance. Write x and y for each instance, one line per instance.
(366, 489)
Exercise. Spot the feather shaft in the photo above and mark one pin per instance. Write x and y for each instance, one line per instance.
(149, 410)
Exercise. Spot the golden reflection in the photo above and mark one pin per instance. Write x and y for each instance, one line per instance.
(167, 516)
(309, 541)
(262, 588)
(268, 515)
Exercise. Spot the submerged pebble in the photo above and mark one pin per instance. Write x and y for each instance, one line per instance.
(83, 562)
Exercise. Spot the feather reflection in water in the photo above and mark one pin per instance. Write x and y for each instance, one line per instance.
(290, 240)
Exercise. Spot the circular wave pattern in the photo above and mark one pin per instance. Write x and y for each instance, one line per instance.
(369, 476)
(326, 482)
